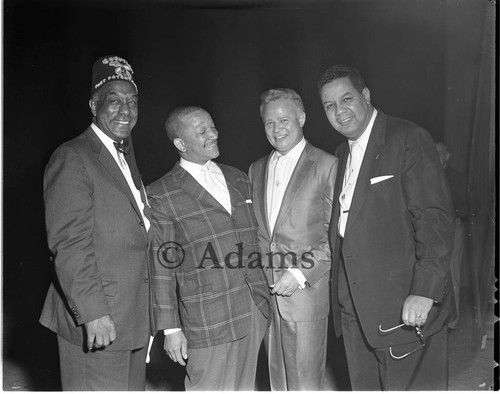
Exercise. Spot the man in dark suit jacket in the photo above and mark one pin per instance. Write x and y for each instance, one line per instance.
(97, 220)
(392, 233)
(292, 195)
(458, 187)
(210, 292)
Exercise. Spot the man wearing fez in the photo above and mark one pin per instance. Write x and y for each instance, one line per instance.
(293, 194)
(392, 233)
(97, 221)
(210, 293)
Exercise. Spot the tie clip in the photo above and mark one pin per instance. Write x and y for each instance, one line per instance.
(345, 211)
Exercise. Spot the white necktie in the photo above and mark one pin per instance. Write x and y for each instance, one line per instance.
(217, 187)
(209, 181)
(274, 206)
(350, 177)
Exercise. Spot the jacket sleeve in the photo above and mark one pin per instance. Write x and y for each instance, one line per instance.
(428, 200)
(68, 196)
(165, 258)
(321, 254)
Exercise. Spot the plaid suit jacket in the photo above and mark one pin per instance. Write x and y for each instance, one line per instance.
(205, 269)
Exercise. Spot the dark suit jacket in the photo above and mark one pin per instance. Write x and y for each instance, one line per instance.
(399, 232)
(207, 292)
(97, 236)
(301, 228)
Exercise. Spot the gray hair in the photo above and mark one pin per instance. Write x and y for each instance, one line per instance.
(278, 94)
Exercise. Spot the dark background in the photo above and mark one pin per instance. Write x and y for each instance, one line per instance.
(421, 60)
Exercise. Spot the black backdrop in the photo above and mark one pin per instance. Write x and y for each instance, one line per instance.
(217, 54)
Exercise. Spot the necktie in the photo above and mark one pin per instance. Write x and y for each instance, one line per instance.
(209, 181)
(217, 188)
(273, 207)
(122, 147)
(119, 152)
(126, 158)
(350, 177)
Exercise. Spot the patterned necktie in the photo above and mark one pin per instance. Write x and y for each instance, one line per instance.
(350, 177)
(122, 147)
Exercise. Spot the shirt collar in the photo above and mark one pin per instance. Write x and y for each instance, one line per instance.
(364, 138)
(294, 153)
(192, 167)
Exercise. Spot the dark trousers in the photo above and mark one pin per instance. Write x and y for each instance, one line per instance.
(375, 369)
(101, 370)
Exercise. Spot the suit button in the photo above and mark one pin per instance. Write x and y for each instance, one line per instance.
(273, 244)
(141, 224)
(146, 280)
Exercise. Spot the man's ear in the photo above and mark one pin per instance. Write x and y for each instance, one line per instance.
(302, 119)
(366, 95)
(179, 144)
(92, 106)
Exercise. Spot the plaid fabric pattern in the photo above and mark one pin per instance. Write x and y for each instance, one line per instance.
(205, 282)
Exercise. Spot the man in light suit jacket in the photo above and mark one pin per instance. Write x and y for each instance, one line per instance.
(97, 221)
(292, 194)
(210, 293)
(392, 233)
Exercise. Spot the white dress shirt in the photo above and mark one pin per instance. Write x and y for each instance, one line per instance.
(278, 176)
(351, 174)
(122, 163)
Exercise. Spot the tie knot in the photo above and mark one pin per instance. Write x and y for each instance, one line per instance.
(206, 167)
(122, 147)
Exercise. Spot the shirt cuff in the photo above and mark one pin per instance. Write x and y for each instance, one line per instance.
(169, 331)
(299, 276)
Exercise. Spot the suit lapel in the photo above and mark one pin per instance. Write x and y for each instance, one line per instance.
(368, 167)
(108, 162)
(260, 188)
(234, 193)
(298, 177)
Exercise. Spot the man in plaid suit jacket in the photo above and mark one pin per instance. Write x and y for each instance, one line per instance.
(210, 292)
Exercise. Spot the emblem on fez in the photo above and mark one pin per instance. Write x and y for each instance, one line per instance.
(122, 68)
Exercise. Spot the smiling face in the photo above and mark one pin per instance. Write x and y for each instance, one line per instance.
(348, 110)
(283, 122)
(197, 141)
(115, 109)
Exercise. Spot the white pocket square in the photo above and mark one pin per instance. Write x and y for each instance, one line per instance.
(378, 179)
(248, 201)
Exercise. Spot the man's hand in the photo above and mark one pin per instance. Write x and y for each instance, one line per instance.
(100, 332)
(176, 347)
(285, 286)
(416, 309)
